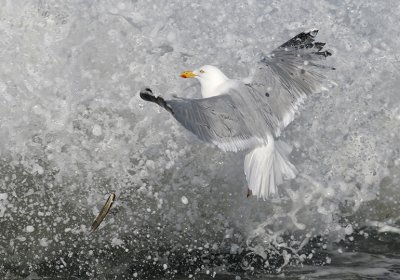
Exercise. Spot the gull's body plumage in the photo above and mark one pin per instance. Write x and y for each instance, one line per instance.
(237, 116)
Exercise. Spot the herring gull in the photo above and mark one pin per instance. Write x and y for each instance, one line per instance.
(235, 116)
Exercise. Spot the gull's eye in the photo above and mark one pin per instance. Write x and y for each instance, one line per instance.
(201, 71)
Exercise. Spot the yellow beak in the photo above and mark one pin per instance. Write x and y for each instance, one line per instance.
(187, 74)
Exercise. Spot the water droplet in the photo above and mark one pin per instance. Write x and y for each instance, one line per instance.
(184, 200)
(97, 131)
(30, 229)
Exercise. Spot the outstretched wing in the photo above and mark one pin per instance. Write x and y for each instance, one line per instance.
(288, 74)
(218, 120)
(244, 116)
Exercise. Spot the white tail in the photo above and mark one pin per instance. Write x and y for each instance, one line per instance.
(267, 166)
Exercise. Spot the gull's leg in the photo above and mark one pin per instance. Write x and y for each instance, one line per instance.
(249, 192)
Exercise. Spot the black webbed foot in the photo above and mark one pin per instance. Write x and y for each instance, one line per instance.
(249, 192)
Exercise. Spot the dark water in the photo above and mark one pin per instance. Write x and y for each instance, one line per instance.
(375, 257)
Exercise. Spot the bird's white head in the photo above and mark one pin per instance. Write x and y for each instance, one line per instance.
(210, 78)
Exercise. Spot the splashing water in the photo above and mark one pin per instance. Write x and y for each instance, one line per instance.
(73, 129)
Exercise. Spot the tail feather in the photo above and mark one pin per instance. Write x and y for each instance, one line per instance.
(267, 166)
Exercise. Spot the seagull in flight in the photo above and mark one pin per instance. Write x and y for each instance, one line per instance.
(236, 116)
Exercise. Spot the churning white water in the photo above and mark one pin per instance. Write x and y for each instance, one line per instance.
(73, 128)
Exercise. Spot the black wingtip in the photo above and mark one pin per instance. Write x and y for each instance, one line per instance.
(147, 94)
(306, 40)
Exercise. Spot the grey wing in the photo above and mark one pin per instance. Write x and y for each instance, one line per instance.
(288, 74)
(217, 120)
